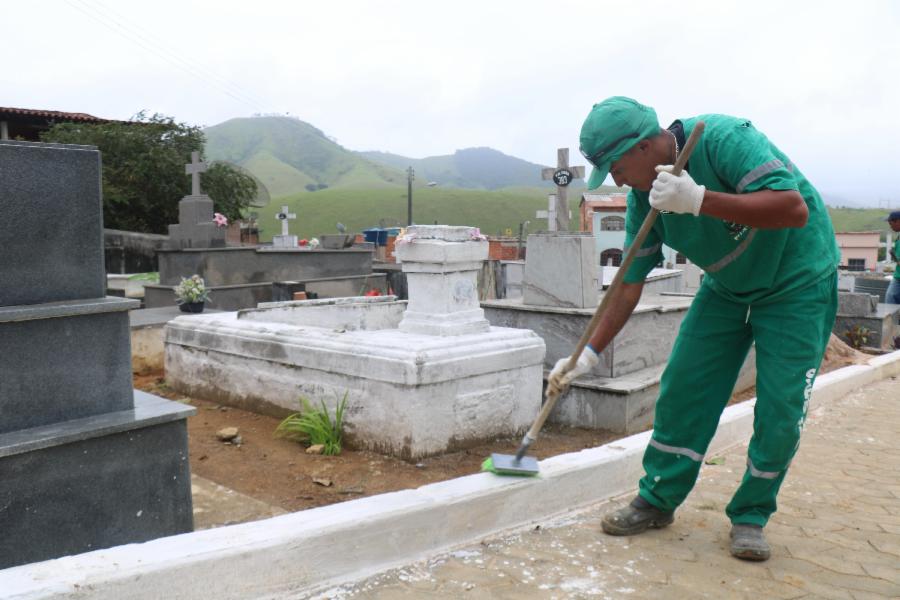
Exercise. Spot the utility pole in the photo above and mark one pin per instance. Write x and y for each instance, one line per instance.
(522, 227)
(410, 175)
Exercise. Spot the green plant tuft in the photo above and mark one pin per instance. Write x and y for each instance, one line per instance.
(858, 336)
(315, 426)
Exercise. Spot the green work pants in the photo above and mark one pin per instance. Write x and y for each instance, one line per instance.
(790, 334)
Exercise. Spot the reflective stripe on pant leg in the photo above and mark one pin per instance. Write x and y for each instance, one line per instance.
(791, 335)
(711, 347)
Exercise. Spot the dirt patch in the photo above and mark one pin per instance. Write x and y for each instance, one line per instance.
(279, 472)
(838, 355)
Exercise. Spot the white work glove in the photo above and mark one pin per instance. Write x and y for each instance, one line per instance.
(560, 379)
(676, 194)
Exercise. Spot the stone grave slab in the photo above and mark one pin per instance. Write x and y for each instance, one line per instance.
(420, 379)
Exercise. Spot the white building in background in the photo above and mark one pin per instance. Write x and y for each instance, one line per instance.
(604, 216)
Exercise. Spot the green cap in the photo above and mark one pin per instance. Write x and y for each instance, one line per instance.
(611, 129)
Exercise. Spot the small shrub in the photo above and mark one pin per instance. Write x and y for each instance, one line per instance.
(315, 426)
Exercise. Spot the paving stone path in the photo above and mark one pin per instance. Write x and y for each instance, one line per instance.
(836, 533)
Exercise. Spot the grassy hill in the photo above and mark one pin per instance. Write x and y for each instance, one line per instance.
(859, 219)
(493, 211)
(475, 168)
(288, 155)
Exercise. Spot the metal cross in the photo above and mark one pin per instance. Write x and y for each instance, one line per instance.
(563, 175)
(283, 216)
(194, 169)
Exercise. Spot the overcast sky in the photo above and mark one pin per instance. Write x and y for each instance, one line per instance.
(419, 78)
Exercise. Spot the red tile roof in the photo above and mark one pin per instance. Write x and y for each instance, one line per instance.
(50, 114)
(601, 201)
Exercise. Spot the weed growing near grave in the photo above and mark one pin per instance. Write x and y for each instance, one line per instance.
(858, 336)
(315, 426)
(152, 277)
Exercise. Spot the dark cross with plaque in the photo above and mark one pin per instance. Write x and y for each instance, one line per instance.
(562, 176)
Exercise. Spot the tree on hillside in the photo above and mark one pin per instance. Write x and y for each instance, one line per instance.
(143, 170)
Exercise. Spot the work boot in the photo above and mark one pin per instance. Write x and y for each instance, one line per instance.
(636, 518)
(748, 542)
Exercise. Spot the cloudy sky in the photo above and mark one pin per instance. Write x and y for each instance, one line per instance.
(418, 78)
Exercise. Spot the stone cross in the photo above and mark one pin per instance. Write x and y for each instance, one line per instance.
(550, 213)
(283, 216)
(562, 176)
(194, 169)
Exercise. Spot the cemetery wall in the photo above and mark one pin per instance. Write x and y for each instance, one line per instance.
(131, 252)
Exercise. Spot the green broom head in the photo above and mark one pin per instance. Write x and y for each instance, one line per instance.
(529, 471)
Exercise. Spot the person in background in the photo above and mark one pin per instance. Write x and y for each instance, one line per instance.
(893, 291)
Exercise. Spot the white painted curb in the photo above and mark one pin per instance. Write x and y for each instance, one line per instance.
(299, 552)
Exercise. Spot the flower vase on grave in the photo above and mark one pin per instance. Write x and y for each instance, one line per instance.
(191, 307)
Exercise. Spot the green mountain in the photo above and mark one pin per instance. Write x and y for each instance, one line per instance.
(473, 168)
(290, 156)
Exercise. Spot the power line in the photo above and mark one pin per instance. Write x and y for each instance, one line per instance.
(148, 36)
(150, 46)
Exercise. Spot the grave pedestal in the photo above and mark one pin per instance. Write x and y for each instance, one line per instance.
(85, 462)
(284, 241)
(441, 266)
(195, 228)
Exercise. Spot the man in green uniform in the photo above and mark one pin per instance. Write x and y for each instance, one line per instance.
(747, 216)
(893, 291)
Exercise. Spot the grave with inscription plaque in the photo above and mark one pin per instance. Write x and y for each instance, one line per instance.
(420, 378)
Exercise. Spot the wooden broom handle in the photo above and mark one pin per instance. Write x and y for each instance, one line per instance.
(647, 225)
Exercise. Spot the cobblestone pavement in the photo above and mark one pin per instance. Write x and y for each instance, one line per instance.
(836, 533)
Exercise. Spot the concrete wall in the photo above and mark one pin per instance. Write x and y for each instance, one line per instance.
(234, 266)
(131, 252)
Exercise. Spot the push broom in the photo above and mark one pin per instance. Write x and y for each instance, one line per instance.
(519, 464)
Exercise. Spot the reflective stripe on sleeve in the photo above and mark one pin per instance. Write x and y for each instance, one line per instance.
(648, 251)
(761, 474)
(676, 450)
(731, 256)
(757, 173)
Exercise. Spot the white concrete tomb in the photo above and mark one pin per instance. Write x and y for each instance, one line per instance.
(420, 381)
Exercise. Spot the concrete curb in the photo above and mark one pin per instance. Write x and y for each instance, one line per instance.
(300, 552)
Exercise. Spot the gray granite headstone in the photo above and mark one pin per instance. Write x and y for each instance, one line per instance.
(85, 462)
(52, 199)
